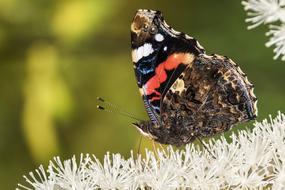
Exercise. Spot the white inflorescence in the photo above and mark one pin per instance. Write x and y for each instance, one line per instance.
(253, 159)
(268, 12)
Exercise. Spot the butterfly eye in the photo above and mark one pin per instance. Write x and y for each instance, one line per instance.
(153, 30)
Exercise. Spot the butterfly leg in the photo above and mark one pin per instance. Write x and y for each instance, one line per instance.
(205, 146)
(154, 148)
(139, 147)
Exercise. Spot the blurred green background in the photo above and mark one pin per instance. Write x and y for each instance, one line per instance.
(56, 57)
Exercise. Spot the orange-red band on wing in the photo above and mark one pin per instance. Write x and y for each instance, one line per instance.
(172, 62)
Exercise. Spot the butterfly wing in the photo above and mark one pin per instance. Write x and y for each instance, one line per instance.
(159, 55)
(210, 96)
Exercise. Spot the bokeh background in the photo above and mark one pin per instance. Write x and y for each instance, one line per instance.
(57, 56)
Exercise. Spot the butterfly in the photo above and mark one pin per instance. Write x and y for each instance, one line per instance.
(187, 93)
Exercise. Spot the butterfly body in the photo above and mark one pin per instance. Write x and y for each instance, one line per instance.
(187, 93)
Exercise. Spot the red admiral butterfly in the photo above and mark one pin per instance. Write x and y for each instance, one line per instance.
(187, 93)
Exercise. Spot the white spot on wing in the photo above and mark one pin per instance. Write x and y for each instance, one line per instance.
(175, 32)
(188, 37)
(178, 85)
(159, 37)
(199, 45)
(143, 51)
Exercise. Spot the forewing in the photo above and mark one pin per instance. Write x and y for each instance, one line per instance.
(160, 54)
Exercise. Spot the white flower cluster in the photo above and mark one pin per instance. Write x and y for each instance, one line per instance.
(268, 12)
(253, 159)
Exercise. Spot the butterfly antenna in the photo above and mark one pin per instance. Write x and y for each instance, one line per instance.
(111, 108)
(108, 103)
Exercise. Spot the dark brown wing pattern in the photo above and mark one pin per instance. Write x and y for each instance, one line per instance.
(209, 97)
